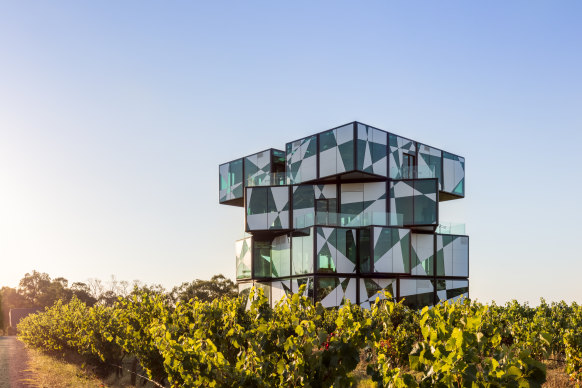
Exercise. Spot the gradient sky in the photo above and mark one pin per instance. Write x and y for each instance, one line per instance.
(114, 117)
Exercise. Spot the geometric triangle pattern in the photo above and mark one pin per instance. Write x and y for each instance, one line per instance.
(417, 293)
(298, 282)
(398, 147)
(453, 174)
(363, 204)
(302, 160)
(230, 180)
(303, 206)
(243, 250)
(372, 151)
(267, 208)
(349, 212)
(336, 151)
(414, 202)
(258, 169)
(391, 250)
(279, 289)
(336, 250)
(429, 163)
(370, 289)
(334, 292)
(422, 254)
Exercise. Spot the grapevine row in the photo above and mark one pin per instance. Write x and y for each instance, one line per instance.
(233, 342)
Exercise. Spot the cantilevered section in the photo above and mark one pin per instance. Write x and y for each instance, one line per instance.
(349, 211)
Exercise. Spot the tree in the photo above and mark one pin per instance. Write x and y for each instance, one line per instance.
(11, 298)
(205, 290)
(83, 293)
(40, 291)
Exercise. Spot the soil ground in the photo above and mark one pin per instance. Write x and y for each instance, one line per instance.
(14, 371)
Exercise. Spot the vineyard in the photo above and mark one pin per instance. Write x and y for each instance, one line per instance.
(233, 342)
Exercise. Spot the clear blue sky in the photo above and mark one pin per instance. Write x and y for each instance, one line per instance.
(114, 117)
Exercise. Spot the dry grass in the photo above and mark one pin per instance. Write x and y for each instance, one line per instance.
(555, 376)
(50, 372)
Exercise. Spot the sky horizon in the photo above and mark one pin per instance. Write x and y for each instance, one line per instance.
(114, 118)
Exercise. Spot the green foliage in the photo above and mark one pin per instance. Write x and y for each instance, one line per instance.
(232, 342)
(573, 345)
(73, 326)
(135, 315)
(465, 345)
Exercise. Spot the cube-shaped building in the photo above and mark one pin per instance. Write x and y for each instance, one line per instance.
(349, 212)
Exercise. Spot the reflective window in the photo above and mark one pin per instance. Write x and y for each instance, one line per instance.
(262, 259)
(425, 205)
(365, 259)
(391, 250)
(302, 251)
(243, 258)
(280, 256)
(303, 206)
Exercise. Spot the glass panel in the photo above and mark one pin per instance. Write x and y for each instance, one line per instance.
(303, 206)
(281, 256)
(262, 259)
(278, 207)
(346, 253)
(257, 203)
(370, 289)
(365, 259)
(401, 200)
(302, 251)
(236, 178)
(333, 292)
(453, 174)
(417, 293)
(444, 255)
(425, 205)
(325, 287)
(243, 258)
(460, 256)
(326, 244)
(392, 250)
(301, 160)
(345, 151)
(422, 254)
(327, 140)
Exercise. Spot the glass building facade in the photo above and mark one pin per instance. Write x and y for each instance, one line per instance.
(349, 212)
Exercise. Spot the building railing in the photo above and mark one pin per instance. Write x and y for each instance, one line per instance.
(450, 228)
(268, 179)
(415, 172)
(348, 220)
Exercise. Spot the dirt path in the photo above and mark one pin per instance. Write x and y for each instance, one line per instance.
(13, 364)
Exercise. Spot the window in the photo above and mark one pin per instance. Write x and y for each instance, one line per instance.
(408, 166)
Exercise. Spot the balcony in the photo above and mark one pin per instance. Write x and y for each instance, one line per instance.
(267, 179)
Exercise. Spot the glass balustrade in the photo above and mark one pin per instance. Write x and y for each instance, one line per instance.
(366, 219)
(450, 228)
(416, 172)
(272, 179)
(348, 220)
